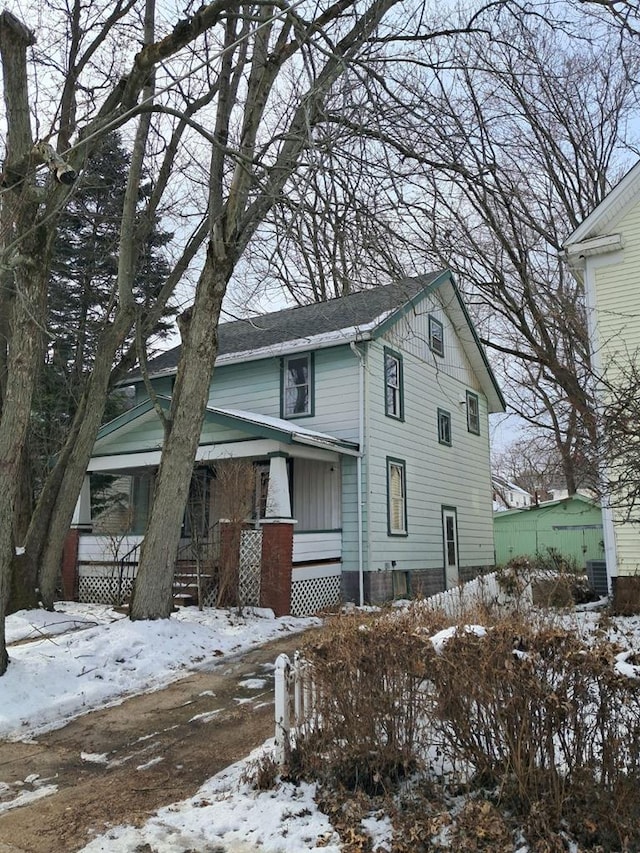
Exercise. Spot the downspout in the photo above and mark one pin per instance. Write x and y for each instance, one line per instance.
(360, 358)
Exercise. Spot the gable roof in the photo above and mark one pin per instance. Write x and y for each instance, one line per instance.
(356, 317)
(546, 505)
(604, 217)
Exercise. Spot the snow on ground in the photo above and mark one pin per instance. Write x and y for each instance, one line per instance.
(93, 656)
(227, 815)
(89, 656)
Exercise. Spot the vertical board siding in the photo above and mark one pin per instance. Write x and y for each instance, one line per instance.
(317, 498)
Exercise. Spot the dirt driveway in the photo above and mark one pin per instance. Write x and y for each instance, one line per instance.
(121, 764)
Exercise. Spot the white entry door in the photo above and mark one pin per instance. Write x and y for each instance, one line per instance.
(450, 539)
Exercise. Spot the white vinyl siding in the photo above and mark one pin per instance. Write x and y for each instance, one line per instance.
(618, 338)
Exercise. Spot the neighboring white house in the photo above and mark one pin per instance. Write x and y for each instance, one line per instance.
(604, 252)
(507, 495)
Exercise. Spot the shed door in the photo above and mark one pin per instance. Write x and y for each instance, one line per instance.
(450, 538)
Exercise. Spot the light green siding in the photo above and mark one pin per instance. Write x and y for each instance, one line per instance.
(573, 527)
(437, 475)
(255, 386)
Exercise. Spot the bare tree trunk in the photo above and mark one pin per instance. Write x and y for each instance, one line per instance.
(28, 296)
(152, 593)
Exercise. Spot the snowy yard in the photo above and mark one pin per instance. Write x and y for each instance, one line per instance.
(84, 657)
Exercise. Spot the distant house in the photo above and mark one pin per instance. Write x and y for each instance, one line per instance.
(571, 526)
(604, 251)
(507, 495)
(365, 420)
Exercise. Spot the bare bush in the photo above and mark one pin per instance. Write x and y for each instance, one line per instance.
(370, 679)
(534, 718)
(235, 490)
(546, 719)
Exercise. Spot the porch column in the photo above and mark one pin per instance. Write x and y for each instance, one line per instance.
(278, 500)
(81, 521)
(82, 512)
(276, 567)
(277, 540)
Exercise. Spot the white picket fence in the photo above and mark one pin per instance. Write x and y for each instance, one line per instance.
(295, 707)
(483, 590)
(294, 698)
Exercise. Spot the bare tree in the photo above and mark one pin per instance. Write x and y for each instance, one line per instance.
(258, 141)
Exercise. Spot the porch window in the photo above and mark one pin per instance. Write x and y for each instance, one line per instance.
(393, 379)
(396, 497)
(436, 336)
(473, 413)
(444, 427)
(297, 386)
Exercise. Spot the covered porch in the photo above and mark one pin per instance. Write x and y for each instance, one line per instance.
(262, 525)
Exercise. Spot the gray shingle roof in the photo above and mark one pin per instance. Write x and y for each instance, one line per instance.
(290, 324)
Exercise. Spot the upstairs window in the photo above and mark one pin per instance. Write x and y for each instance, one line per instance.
(436, 336)
(394, 392)
(473, 413)
(297, 386)
(444, 427)
(396, 497)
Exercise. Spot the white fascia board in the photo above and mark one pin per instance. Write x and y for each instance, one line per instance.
(593, 246)
(313, 342)
(125, 461)
(312, 441)
(610, 208)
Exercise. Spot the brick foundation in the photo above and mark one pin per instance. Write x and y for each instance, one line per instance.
(626, 595)
(276, 574)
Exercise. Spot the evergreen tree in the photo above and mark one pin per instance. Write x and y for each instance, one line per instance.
(82, 287)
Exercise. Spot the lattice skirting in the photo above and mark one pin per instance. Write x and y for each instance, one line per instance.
(102, 589)
(310, 596)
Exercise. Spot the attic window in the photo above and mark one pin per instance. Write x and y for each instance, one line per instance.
(473, 413)
(297, 386)
(436, 336)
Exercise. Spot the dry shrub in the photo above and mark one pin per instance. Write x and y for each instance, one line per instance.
(547, 719)
(370, 678)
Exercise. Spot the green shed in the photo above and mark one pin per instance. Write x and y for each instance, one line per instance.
(572, 526)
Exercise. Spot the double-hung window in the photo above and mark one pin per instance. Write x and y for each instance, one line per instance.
(444, 427)
(436, 336)
(297, 385)
(473, 413)
(396, 497)
(393, 385)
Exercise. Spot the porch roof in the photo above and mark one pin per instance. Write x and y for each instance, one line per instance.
(287, 431)
(134, 438)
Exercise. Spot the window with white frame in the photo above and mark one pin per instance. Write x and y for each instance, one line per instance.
(394, 391)
(444, 427)
(473, 413)
(436, 336)
(396, 497)
(297, 385)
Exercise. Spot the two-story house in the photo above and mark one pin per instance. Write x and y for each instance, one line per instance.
(604, 251)
(365, 419)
